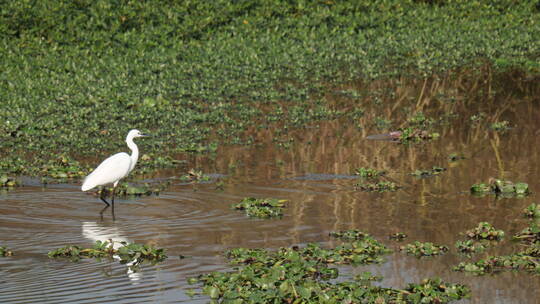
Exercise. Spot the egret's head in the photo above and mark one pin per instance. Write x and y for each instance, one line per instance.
(134, 134)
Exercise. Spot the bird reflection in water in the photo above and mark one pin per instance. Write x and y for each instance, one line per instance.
(98, 232)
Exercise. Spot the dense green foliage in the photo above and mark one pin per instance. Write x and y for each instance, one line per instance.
(77, 75)
(303, 275)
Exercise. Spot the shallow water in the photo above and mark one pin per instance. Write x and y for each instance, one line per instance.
(197, 222)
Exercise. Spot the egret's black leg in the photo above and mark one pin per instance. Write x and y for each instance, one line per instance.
(103, 199)
(103, 210)
(113, 191)
(112, 212)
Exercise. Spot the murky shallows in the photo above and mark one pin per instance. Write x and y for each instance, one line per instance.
(196, 221)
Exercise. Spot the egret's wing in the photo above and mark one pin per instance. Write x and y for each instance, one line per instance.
(109, 171)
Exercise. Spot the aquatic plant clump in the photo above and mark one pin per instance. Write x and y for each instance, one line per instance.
(8, 182)
(529, 235)
(453, 157)
(410, 134)
(369, 172)
(348, 235)
(397, 236)
(261, 207)
(420, 249)
(426, 173)
(470, 246)
(484, 231)
(189, 93)
(301, 275)
(195, 176)
(383, 186)
(532, 211)
(500, 126)
(131, 253)
(501, 187)
(528, 260)
(4, 252)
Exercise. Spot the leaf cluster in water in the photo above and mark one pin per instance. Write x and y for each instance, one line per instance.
(132, 253)
(302, 275)
(261, 207)
(420, 249)
(501, 187)
(484, 231)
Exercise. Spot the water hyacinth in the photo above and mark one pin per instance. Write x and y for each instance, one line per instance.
(484, 231)
(420, 249)
(261, 207)
(132, 253)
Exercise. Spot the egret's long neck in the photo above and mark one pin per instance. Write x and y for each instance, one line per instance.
(134, 152)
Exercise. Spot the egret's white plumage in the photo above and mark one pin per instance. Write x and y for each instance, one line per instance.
(114, 168)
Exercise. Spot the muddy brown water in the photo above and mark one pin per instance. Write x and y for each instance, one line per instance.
(314, 174)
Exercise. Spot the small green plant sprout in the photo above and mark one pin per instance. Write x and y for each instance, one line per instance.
(382, 186)
(128, 253)
(500, 126)
(195, 176)
(453, 157)
(8, 182)
(484, 231)
(426, 173)
(261, 207)
(501, 187)
(532, 211)
(369, 172)
(470, 246)
(349, 235)
(4, 252)
(420, 249)
(398, 236)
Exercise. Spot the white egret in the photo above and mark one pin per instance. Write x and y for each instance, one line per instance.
(114, 168)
